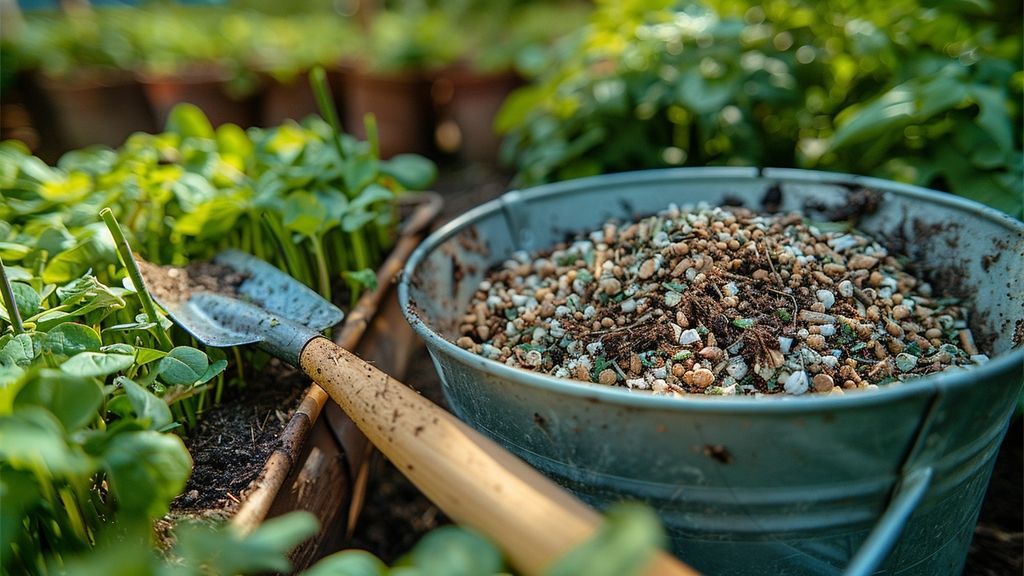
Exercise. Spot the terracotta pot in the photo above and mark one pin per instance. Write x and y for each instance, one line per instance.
(206, 88)
(400, 102)
(469, 102)
(88, 107)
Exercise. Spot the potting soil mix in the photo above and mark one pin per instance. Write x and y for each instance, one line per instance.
(714, 300)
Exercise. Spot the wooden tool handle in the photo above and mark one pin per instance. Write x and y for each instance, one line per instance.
(470, 477)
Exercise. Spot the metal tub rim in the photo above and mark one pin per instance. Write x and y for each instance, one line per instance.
(781, 403)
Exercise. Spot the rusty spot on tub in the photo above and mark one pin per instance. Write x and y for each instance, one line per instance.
(471, 241)
(540, 421)
(828, 417)
(718, 452)
(661, 429)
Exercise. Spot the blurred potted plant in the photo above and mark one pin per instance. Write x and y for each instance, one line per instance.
(196, 54)
(393, 74)
(503, 44)
(76, 74)
(287, 49)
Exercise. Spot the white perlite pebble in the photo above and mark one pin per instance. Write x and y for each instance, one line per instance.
(906, 362)
(785, 344)
(689, 337)
(979, 358)
(659, 386)
(628, 306)
(826, 297)
(796, 384)
(737, 368)
(827, 330)
(846, 289)
(638, 383)
(594, 347)
(672, 299)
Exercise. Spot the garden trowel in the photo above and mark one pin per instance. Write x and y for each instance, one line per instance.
(470, 477)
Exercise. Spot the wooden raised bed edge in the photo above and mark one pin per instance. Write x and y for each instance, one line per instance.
(299, 462)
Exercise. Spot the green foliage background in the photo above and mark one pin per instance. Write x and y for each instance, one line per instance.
(919, 91)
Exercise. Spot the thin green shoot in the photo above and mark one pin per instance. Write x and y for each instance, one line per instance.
(124, 250)
(12, 306)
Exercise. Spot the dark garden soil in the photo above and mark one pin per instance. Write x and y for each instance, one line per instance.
(234, 439)
(396, 514)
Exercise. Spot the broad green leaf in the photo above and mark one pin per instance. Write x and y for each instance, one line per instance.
(372, 194)
(26, 299)
(366, 278)
(302, 213)
(13, 252)
(183, 366)
(146, 355)
(212, 371)
(117, 558)
(67, 188)
(207, 550)
(457, 551)
(146, 470)
(95, 250)
(119, 348)
(94, 364)
(189, 121)
(18, 351)
(70, 338)
(349, 563)
(232, 140)
(147, 406)
(412, 171)
(33, 439)
(993, 114)
(72, 399)
(212, 219)
(628, 539)
(192, 191)
(359, 172)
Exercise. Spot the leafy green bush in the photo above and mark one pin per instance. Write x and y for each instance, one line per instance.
(93, 380)
(914, 90)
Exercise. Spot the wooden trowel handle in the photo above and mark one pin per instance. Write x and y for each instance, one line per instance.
(470, 477)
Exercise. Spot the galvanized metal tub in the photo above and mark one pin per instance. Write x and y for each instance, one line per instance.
(889, 480)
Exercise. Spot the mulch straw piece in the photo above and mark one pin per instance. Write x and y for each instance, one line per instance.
(712, 300)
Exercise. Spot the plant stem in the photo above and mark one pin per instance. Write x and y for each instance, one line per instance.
(324, 101)
(370, 124)
(359, 250)
(323, 275)
(12, 307)
(124, 250)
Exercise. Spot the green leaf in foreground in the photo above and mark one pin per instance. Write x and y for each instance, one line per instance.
(456, 551)
(147, 469)
(71, 399)
(92, 364)
(206, 550)
(628, 539)
(26, 299)
(183, 366)
(349, 563)
(147, 406)
(69, 339)
(412, 171)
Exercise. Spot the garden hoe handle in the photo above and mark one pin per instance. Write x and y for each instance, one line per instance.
(470, 477)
